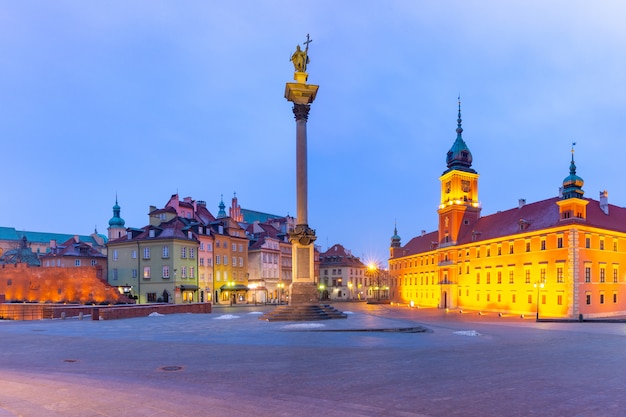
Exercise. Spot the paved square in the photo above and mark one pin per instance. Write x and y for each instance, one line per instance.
(230, 363)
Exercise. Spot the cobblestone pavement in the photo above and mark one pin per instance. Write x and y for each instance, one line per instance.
(230, 363)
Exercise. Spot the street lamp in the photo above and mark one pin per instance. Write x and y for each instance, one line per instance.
(253, 287)
(538, 285)
(350, 289)
(372, 269)
(281, 286)
(321, 288)
(231, 295)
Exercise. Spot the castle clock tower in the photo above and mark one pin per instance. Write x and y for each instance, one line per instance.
(459, 204)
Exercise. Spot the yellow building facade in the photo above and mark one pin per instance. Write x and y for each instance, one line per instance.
(562, 257)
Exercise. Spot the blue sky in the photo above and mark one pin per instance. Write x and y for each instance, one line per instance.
(144, 99)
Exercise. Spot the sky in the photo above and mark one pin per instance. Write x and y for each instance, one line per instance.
(142, 99)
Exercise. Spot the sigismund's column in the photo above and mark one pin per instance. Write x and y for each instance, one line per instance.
(303, 288)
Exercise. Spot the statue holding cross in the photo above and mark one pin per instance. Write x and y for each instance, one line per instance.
(300, 58)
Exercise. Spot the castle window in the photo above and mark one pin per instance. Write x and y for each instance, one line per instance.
(530, 299)
(478, 278)
(559, 300)
(602, 274)
(587, 274)
(559, 242)
(601, 244)
(615, 246)
(513, 298)
(601, 298)
(543, 275)
(488, 252)
(527, 246)
(511, 277)
(499, 277)
(615, 275)
(559, 274)
(488, 278)
(587, 242)
(499, 250)
(527, 276)
(543, 244)
(588, 298)
(615, 297)
(510, 248)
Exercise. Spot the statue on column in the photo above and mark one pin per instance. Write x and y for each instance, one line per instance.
(300, 58)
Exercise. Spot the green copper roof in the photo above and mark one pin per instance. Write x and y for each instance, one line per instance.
(222, 213)
(116, 220)
(459, 157)
(572, 184)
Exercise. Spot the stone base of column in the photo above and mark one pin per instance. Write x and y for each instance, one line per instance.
(302, 293)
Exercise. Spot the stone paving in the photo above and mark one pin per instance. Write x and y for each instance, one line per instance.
(230, 363)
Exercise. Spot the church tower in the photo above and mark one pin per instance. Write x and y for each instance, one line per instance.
(572, 204)
(459, 204)
(395, 242)
(116, 227)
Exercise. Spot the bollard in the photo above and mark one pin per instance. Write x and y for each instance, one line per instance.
(63, 315)
(80, 315)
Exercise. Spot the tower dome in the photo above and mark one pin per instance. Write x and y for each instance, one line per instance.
(572, 184)
(459, 156)
(116, 220)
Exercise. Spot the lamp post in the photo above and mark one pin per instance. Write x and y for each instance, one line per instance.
(321, 288)
(350, 289)
(372, 269)
(231, 284)
(538, 285)
(281, 286)
(253, 287)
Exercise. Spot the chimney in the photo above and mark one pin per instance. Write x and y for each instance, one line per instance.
(522, 202)
(560, 192)
(423, 232)
(604, 201)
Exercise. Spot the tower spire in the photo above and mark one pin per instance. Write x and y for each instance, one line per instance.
(459, 156)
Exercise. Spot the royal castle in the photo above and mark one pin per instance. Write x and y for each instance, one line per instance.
(561, 257)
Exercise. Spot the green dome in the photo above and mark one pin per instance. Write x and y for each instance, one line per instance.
(572, 184)
(116, 220)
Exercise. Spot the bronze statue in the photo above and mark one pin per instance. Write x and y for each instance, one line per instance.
(300, 59)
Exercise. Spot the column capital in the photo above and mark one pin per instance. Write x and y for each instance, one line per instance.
(301, 111)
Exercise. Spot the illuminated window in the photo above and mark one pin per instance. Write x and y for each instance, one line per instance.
(559, 274)
(151, 297)
(225, 259)
(192, 272)
(183, 272)
(146, 272)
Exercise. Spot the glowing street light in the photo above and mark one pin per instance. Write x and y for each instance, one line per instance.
(538, 285)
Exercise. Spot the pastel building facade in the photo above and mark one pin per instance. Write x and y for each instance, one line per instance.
(560, 257)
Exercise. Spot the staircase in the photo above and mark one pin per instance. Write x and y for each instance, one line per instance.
(305, 312)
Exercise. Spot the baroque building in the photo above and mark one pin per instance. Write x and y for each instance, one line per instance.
(342, 275)
(561, 257)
